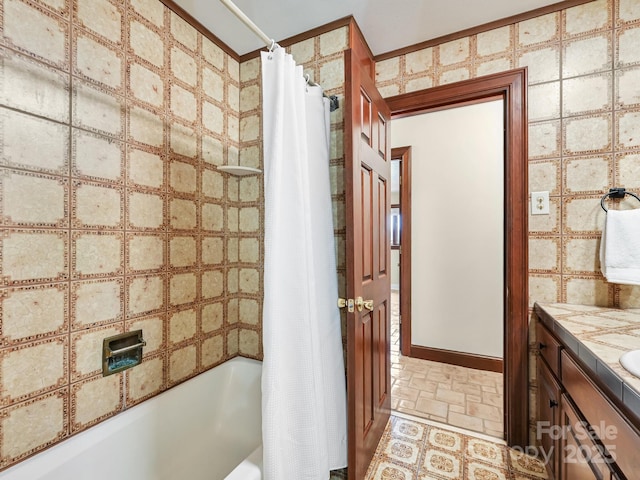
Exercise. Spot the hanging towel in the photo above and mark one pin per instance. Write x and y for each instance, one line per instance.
(620, 247)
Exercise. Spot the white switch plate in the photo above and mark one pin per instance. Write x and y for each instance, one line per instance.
(539, 203)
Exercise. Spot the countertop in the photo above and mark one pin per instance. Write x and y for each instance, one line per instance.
(598, 336)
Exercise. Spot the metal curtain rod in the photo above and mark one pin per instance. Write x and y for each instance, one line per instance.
(270, 42)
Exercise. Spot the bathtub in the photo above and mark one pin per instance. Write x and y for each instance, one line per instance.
(207, 428)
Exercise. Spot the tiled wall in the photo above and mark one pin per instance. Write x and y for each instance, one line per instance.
(584, 131)
(114, 117)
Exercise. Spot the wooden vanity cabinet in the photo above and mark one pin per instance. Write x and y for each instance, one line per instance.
(572, 411)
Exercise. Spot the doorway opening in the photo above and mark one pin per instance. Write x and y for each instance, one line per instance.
(510, 87)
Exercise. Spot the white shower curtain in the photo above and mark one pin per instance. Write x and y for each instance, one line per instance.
(304, 424)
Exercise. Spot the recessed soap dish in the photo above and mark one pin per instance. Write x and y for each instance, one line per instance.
(121, 352)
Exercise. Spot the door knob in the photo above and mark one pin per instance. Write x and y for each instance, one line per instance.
(360, 303)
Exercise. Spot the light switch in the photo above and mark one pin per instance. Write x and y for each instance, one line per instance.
(539, 203)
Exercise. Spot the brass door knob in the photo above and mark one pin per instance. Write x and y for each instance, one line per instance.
(360, 303)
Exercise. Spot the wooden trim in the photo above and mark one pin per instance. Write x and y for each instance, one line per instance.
(314, 32)
(462, 359)
(187, 17)
(482, 28)
(512, 85)
(404, 155)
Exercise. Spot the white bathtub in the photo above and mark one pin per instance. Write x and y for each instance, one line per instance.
(208, 428)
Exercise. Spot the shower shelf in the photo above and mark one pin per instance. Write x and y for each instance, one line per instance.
(239, 170)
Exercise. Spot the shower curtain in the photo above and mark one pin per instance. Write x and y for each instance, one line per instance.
(304, 420)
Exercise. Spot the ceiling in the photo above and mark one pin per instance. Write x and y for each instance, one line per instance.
(386, 24)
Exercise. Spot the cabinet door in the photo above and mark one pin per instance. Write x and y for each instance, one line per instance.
(575, 446)
(548, 416)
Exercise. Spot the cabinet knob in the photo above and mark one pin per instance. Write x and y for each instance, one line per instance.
(553, 404)
(541, 346)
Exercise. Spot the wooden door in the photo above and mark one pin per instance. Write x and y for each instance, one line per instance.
(368, 197)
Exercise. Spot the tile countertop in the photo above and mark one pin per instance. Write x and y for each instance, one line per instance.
(598, 336)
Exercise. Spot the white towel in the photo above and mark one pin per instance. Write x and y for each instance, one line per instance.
(620, 247)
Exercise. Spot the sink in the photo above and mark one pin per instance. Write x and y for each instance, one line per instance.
(631, 362)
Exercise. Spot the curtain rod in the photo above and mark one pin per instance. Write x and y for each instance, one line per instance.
(270, 42)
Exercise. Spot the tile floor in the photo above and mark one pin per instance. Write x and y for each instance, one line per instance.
(458, 396)
(414, 449)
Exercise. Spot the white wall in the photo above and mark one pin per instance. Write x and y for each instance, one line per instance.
(457, 227)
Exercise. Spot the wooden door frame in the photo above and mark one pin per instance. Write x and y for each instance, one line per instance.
(404, 155)
(512, 87)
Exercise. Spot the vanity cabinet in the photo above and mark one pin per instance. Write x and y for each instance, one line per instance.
(579, 429)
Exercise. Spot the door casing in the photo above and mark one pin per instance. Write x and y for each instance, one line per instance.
(512, 87)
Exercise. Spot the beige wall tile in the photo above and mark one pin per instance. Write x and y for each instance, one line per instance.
(232, 342)
(145, 126)
(591, 291)
(213, 117)
(580, 255)
(145, 380)
(96, 302)
(145, 294)
(95, 399)
(212, 284)
(546, 224)
(302, 52)
(232, 280)
(248, 342)
(587, 18)
(454, 75)
(97, 157)
(97, 254)
(583, 215)
(183, 32)
(34, 425)
(629, 296)
(145, 252)
(34, 88)
(183, 140)
(544, 101)
(627, 11)
(183, 288)
(212, 317)
(498, 40)
(95, 109)
(543, 63)
(184, 66)
(544, 288)
(495, 65)
(627, 130)
(183, 363)
(250, 69)
(586, 55)
(213, 54)
(587, 134)
(145, 84)
(212, 250)
(98, 62)
(249, 311)
(334, 41)
(146, 43)
(456, 51)
(101, 17)
(183, 214)
(24, 372)
(544, 175)
(35, 255)
(544, 140)
(212, 217)
(588, 174)
(97, 206)
(37, 33)
(182, 252)
(249, 280)
(144, 168)
(183, 177)
(33, 312)
(182, 325)
(22, 149)
(628, 170)
(626, 52)
(584, 95)
(150, 10)
(183, 104)
(627, 83)
(212, 351)
(538, 30)
(33, 199)
(544, 254)
(249, 128)
(145, 210)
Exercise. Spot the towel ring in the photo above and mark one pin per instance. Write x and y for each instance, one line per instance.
(616, 193)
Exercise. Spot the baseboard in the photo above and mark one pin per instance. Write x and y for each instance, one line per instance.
(462, 359)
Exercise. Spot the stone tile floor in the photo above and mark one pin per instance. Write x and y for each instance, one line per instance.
(449, 394)
(412, 448)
